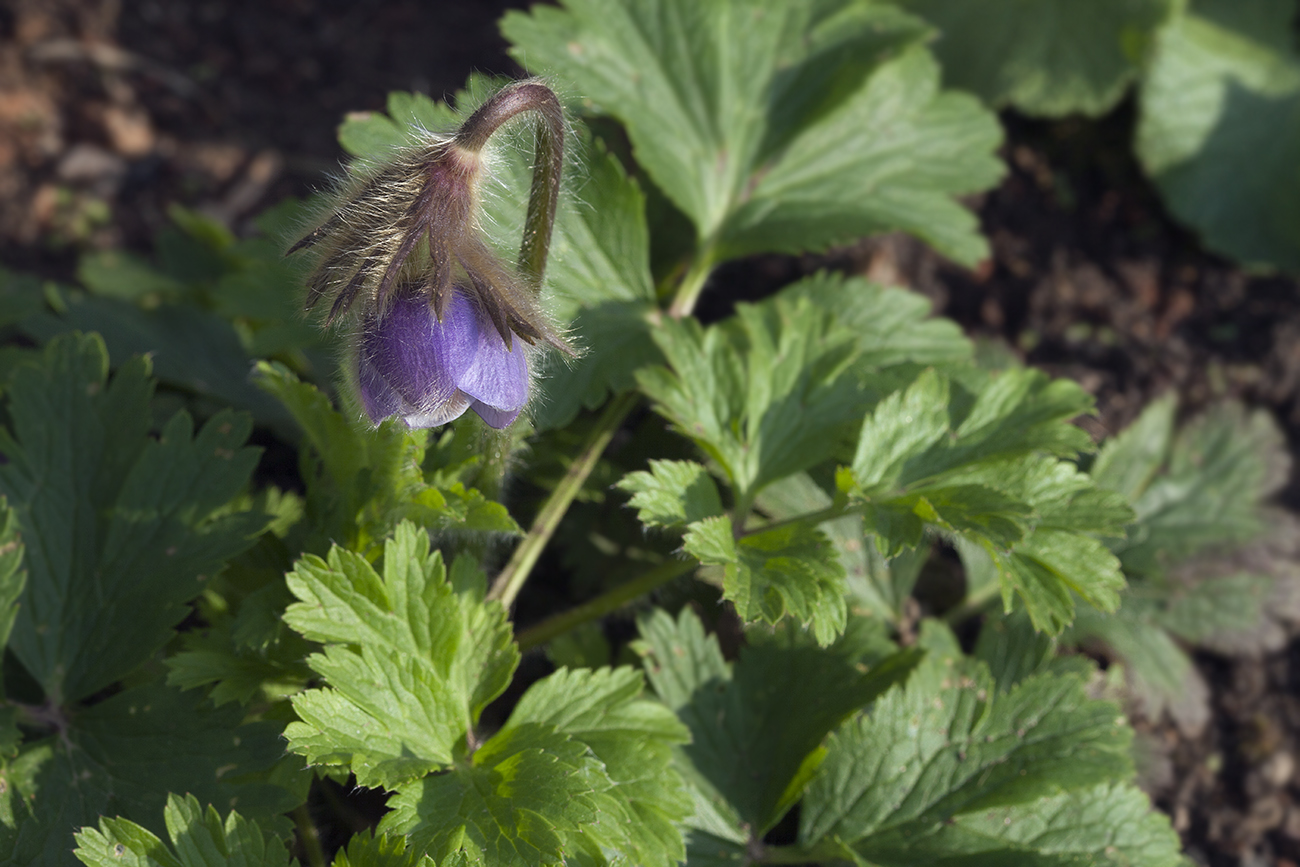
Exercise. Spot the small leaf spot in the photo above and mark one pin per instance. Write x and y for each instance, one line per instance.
(119, 850)
(224, 454)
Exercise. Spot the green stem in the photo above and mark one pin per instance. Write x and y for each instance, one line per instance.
(609, 601)
(688, 291)
(308, 836)
(812, 519)
(511, 580)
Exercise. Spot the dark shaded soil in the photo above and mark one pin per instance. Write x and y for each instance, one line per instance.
(110, 113)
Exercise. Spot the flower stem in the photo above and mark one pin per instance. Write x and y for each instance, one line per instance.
(511, 580)
(508, 103)
(610, 600)
(308, 837)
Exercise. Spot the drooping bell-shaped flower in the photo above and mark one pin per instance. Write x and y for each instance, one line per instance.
(429, 371)
(439, 323)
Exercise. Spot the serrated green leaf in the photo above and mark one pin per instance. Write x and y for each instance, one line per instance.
(1044, 57)
(1127, 463)
(362, 482)
(633, 737)
(1012, 649)
(199, 839)
(893, 326)
(1220, 124)
(367, 850)
(672, 494)
(755, 731)
(13, 578)
(1106, 824)
(901, 426)
(120, 530)
(948, 745)
(765, 394)
(121, 757)
(1220, 467)
(526, 798)
(410, 661)
(773, 125)
(190, 348)
(769, 574)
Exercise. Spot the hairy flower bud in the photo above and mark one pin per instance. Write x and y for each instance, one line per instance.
(441, 323)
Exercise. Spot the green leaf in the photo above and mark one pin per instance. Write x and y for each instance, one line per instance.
(775, 125)
(1127, 463)
(527, 797)
(1044, 57)
(633, 737)
(122, 275)
(1220, 468)
(367, 850)
(362, 482)
(949, 746)
(199, 839)
(121, 531)
(410, 660)
(893, 326)
(755, 732)
(1012, 649)
(1220, 125)
(1106, 824)
(13, 578)
(121, 757)
(980, 467)
(765, 394)
(769, 574)
(189, 348)
(672, 494)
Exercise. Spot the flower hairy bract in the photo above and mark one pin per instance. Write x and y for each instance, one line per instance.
(437, 322)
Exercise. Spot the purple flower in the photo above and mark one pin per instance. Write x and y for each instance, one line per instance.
(411, 364)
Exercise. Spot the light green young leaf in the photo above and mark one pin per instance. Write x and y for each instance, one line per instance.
(765, 394)
(769, 574)
(119, 529)
(672, 494)
(121, 757)
(528, 796)
(410, 661)
(948, 745)
(755, 733)
(777, 125)
(367, 850)
(1044, 57)
(199, 839)
(1220, 124)
(633, 737)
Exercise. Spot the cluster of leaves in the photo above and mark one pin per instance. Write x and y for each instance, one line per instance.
(172, 625)
(1218, 85)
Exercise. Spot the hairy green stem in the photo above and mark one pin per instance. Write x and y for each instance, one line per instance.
(610, 600)
(511, 580)
(508, 103)
(308, 837)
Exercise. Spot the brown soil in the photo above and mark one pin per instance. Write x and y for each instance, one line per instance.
(110, 113)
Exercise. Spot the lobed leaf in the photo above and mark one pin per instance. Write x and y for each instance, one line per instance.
(121, 531)
(1220, 124)
(776, 125)
(1044, 57)
(411, 659)
(672, 494)
(199, 839)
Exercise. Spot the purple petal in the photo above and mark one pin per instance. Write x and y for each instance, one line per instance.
(409, 362)
(498, 377)
(494, 417)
